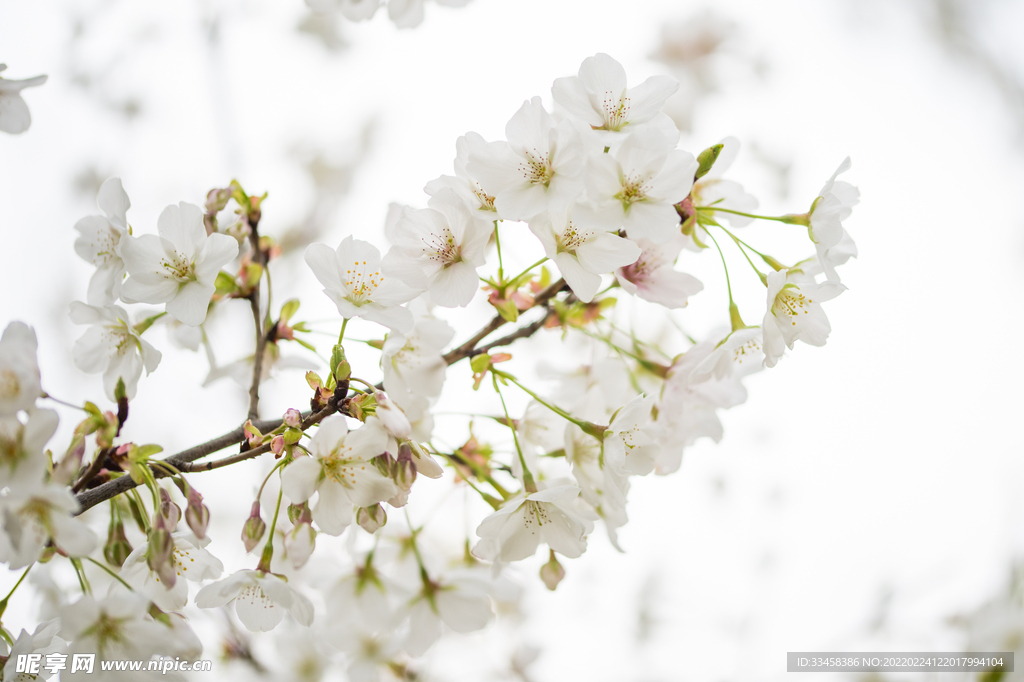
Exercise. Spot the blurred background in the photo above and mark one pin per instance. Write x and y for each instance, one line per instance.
(867, 497)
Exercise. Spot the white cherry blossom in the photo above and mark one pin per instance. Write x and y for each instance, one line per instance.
(629, 445)
(32, 515)
(514, 532)
(191, 562)
(833, 205)
(112, 346)
(540, 168)
(640, 182)
(260, 599)
(352, 278)
(601, 486)
(581, 248)
(22, 460)
(795, 313)
(438, 249)
(701, 381)
(179, 267)
(459, 600)
(738, 354)
(652, 275)
(339, 468)
(466, 187)
(19, 369)
(414, 371)
(14, 115)
(599, 97)
(99, 242)
(43, 641)
(116, 628)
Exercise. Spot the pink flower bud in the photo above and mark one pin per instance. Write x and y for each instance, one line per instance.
(292, 418)
(277, 445)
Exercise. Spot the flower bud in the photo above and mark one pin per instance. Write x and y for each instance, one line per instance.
(160, 556)
(299, 543)
(392, 417)
(117, 548)
(552, 572)
(292, 418)
(371, 518)
(168, 514)
(277, 446)
(252, 434)
(254, 528)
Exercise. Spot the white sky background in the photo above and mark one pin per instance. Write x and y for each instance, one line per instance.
(888, 460)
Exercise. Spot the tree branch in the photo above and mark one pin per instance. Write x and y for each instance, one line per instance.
(469, 348)
(261, 334)
(184, 459)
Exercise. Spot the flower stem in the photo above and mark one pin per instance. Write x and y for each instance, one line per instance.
(528, 482)
(82, 580)
(497, 242)
(781, 219)
(341, 334)
(540, 262)
(113, 575)
(3, 602)
(268, 550)
(554, 408)
(734, 311)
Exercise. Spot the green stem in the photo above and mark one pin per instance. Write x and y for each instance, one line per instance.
(540, 262)
(113, 575)
(341, 335)
(83, 582)
(3, 602)
(142, 509)
(761, 275)
(734, 311)
(781, 219)
(497, 242)
(268, 550)
(586, 426)
(528, 482)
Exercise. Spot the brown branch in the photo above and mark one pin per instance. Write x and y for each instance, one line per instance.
(94, 468)
(261, 334)
(183, 461)
(101, 493)
(469, 348)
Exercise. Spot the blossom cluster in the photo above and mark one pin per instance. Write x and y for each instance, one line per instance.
(600, 191)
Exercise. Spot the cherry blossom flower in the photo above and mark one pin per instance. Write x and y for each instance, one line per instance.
(514, 532)
(653, 278)
(629, 445)
(43, 641)
(738, 354)
(260, 599)
(19, 369)
(459, 600)
(179, 267)
(414, 371)
(438, 249)
(116, 628)
(22, 460)
(701, 381)
(14, 115)
(712, 190)
(795, 313)
(99, 242)
(409, 13)
(598, 96)
(191, 562)
(540, 168)
(339, 468)
(466, 187)
(353, 10)
(33, 515)
(112, 346)
(834, 204)
(351, 275)
(640, 183)
(600, 486)
(581, 248)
